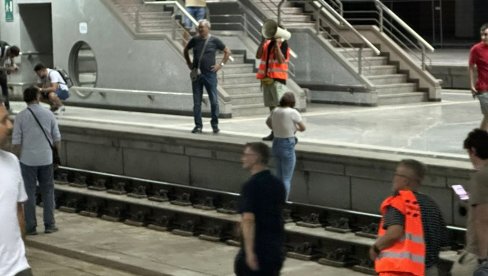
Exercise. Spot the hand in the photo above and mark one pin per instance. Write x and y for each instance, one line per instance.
(252, 261)
(474, 92)
(216, 67)
(372, 254)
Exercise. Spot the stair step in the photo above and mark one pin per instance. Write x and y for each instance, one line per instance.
(298, 24)
(396, 88)
(238, 58)
(380, 70)
(292, 10)
(238, 89)
(237, 78)
(402, 98)
(388, 79)
(297, 18)
(353, 52)
(249, 109)
(232, 68)
(371, 61)
(246, 99)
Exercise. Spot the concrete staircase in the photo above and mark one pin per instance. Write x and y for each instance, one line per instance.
(393, 86)
(237, 78)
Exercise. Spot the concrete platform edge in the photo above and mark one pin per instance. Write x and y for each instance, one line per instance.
(75, 254)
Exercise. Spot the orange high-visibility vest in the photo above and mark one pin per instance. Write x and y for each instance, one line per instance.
(275, 70)
(407, 254)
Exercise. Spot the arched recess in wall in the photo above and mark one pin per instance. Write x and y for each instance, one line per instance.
(83, 65)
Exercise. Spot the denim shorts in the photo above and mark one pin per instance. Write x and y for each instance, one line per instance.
(483, 97)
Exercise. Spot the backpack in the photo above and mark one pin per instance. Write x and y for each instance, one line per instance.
(64, 75)
(3, 46)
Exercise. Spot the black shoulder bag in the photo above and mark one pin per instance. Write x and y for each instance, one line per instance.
(56, 159)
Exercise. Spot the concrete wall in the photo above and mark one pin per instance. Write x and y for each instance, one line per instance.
(335, 177)
(117, 53)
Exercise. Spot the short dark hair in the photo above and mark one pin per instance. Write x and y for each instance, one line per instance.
(483, 27)
(14, 50)
(288, 100)
(39, 67)
(30, 94)
(416, 166)
(261, 149)
(478, 140)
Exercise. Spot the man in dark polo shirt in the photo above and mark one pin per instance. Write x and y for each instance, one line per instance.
(205, 47)
(261, 205)
(408, 177)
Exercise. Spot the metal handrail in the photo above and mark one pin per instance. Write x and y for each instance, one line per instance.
(350, 27)
(320, 8)
(403, 25)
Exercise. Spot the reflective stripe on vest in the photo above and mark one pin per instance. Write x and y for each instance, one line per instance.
(276, 70)
(408, 253)
(402, 255)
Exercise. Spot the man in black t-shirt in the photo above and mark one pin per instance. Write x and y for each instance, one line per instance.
(261, 205)
(205, 72)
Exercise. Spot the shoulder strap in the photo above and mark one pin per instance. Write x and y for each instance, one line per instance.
(203, 50)
(43, 131)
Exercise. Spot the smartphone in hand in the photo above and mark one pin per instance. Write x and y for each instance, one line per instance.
(460, 191)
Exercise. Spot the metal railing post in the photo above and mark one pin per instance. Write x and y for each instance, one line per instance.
(279, 11)
(244, 18)
(360, 60)
(423, 56)
(317, 21)
(137, 18)
(381, 19)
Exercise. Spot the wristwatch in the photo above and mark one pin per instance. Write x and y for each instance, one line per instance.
(222, 64)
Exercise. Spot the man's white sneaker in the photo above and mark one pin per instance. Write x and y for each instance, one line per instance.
(60, 111)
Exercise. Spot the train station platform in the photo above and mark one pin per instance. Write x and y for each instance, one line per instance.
(104, 248)
(429, 129)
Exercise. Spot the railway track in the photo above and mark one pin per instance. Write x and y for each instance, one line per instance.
(330, 236)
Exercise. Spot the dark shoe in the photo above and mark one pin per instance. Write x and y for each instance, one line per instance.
(269, 137)
(196, 130)
(216, 130)
(31, 233)
(50, 230)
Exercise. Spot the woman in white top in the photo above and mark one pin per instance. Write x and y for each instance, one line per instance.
(285, 121)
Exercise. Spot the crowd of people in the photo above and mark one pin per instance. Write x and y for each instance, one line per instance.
(412, 230)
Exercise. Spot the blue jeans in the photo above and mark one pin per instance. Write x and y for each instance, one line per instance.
(209, 80)
(197, 12)
(62, 94)
(284, 153)
(45, 176)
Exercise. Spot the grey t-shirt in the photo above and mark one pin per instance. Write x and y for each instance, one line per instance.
(35, 148)
(478, 194)
(208, 58)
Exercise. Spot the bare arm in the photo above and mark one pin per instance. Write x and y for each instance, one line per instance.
(52, 88)
(481, 228)
(21, 218)
(278, 54)
(187, 57)
(300, 126)
(472, 81)
(392, 235)
(248, 233)
(269, 122)
(259, 52)
(16, 149)
(219, 66)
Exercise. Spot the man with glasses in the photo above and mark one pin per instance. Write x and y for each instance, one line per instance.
(478, 57)
(261, 206)
(412, 229)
